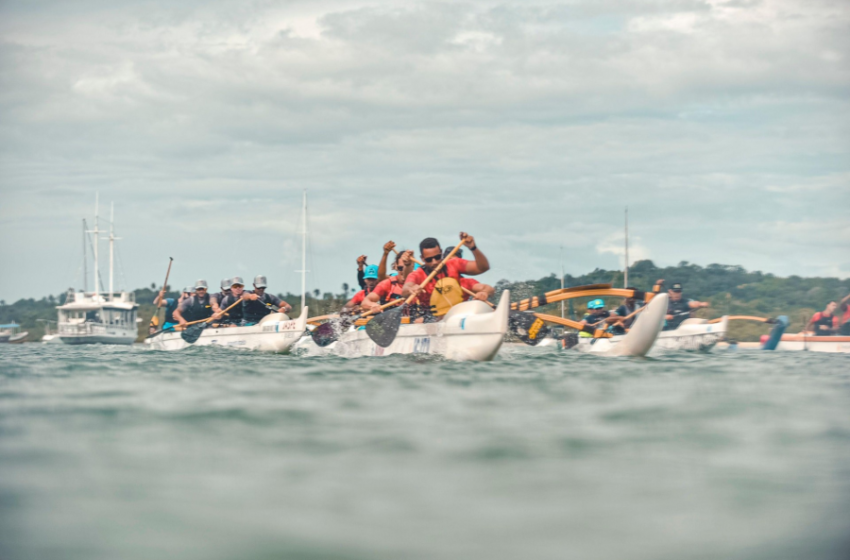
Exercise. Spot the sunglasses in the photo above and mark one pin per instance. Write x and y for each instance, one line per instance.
(432, 259)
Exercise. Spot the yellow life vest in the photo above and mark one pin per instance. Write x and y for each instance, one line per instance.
(446, 294)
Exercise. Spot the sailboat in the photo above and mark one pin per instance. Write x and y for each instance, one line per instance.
(98, 317)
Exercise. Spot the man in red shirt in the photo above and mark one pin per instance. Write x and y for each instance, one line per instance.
(844, 308)
(370, 280)
(431, 255)
(824, 323)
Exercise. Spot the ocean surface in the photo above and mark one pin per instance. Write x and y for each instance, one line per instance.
(124, 453)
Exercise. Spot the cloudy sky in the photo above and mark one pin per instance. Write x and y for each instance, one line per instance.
(724, 126)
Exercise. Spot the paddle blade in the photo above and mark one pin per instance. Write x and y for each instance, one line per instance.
(383, 328)
(327, 333)
(193, 332)
(527, 327)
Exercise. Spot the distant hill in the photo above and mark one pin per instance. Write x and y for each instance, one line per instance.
(730, 289)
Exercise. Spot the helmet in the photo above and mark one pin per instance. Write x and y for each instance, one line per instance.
(201, 284)
(596, 304)
(371, 272)
(260, 282)
(237, 280)
(225, 283)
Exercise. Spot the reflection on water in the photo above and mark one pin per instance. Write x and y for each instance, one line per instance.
(110, 452)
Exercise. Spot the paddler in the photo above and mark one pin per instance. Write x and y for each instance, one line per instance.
(234, 317)
(170, 305)
(370, 280)
(361, 266)
(824, 323)
(257, 303)
(844, 309)
(679, 308)
(219, 296)
(431, 255)
(390, 288)
(196, 307)
(596, 313)
(629, 306)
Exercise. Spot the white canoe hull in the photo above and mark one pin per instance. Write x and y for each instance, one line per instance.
(640, 338)
(830, 344)
(693, 335)
(268, 336)
(470, 331)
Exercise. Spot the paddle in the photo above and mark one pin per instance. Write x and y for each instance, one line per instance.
(768, 320)
(165, 284)
(384, 328)
(524, 326)
(193, 334)
(330, 331)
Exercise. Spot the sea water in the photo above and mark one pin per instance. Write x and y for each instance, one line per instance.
(125, 453)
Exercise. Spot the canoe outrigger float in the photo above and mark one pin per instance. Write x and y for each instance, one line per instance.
(274, 333)
(470, 331)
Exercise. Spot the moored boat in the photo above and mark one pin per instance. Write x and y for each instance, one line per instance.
(470, 331)
(97, 318)
(810, 343)
(274, 333)
(11, 333)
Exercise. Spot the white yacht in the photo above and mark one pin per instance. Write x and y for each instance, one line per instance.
(99, 317)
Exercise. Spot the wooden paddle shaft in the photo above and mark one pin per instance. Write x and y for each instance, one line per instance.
(553, 296)
(434, 272)
(210, 318)
(597, 333)
(168, 273)
(470, 292)
(742, 318)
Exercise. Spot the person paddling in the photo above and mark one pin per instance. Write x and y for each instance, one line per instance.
(596, 313)
(370, 280)
(170, 305)
(824, 323)
(196, 307)
(392, 287)
(235, 316)
(257, 303)
(219, 296)
(844, 309)
(679, 308)
(627, 309)
(431, 254)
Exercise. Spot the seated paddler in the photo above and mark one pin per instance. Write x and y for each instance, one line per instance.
(444, 290)
(195, 308)
(259, 303)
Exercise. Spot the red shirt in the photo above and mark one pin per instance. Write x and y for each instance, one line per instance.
(358, 297)
(468, 283)
(820, 315)
(388, 289)
(452, 269)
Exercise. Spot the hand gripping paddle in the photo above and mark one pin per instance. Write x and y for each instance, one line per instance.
(330, 331)
(384, 328)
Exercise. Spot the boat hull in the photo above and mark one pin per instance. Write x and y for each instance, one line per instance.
(470, 331)
(693, 335)
(268, 336)
(640, 338)
(830, 344)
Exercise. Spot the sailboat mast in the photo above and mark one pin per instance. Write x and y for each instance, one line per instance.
(304, 250)
(85, 264)
(626, 273)
(111, 247)
(96, 233)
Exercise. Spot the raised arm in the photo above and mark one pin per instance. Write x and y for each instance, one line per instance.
(159, 300)
(481, 264)
(382, 266)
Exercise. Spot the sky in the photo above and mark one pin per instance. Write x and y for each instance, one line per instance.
(723, 125)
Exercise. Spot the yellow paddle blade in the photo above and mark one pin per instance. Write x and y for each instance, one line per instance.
(447, 293)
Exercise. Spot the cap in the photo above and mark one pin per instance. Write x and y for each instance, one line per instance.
(416, 266)
(237, 281)
(448, 250)
(596, 304)
(393, 273)
(371, 272)
(188, 290)
(260, 282)
(225, 283)
(201, 284)
(676, 287)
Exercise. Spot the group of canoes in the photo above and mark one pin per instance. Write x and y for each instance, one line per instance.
(441, 309)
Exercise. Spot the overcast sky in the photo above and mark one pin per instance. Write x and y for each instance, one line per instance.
(724, 126)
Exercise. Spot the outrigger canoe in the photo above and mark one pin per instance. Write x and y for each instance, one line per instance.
(640, 338)
(811, 343)
(274, 333)
(470, 331)
(693, 335)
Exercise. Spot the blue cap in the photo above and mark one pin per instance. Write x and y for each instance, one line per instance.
(371, 272)
(416, 266)
(393, 273)
(596, 304)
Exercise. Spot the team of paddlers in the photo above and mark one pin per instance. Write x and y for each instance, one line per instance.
(399, 275)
